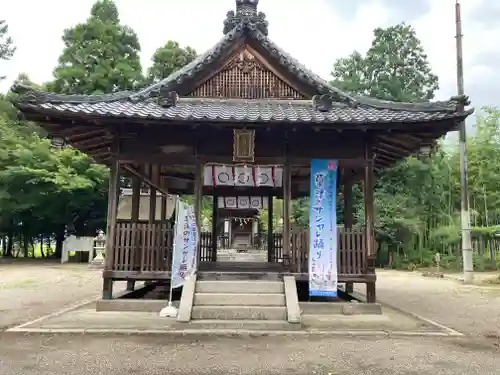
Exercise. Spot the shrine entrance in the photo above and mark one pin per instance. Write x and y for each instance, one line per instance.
(243, 232)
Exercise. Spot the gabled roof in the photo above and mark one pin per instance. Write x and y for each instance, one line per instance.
(159, 101)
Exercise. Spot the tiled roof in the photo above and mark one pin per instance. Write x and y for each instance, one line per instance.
(299, 111)
(331, 105)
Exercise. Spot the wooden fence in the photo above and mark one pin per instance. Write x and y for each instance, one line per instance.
(148, 247)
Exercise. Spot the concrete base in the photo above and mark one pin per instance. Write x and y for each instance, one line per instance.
(133, 305)
(340, 308)
(292, 300)
(236, 325)
(187, 299)
(85, 319)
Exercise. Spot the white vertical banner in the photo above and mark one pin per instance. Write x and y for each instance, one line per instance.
(185, 244)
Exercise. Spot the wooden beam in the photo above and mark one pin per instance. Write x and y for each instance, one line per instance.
(287, 200)
(143, 177)
(114, 178)
(198, 192)
(368, 200)
(136, 195)
(270, 237)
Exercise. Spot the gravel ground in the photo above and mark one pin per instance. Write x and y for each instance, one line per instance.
(468, 309)
(92, 355)
(32, 289)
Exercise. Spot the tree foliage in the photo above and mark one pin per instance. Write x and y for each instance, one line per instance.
(99, 56)
(7, 48)
(395, 67)
(42, 189)
(169, 58)
(47, 192)
(44, 192)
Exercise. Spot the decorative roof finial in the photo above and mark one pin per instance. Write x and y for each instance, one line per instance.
(246, 7)
(246, 12)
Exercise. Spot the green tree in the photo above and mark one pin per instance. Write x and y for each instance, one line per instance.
(99, 56)
(395, 67)
(7, 48)
(168, 59)
(408, 196)
(42, 190)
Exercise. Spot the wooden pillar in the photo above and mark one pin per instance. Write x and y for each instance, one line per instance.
(136, 199)
(198, 198)
(287, 199)
(155, 176)
(271, 256)
(163, 210)
(270, 237)
(134, 218)
(369, 221)
(348, 209)
(348, 218)
(114, 178)
(215, 219)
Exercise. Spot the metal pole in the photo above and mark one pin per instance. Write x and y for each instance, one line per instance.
(464, 187)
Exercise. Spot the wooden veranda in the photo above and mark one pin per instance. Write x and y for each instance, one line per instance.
(245, 103)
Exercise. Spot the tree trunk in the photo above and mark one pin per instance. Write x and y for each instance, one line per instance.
(59, 242)
(10, 244)
(25, 245)
(41, 247)
(4, 245)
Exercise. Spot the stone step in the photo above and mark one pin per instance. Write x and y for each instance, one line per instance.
(251, 325)
(239, 312)
(239, 299)
(239, 286)
(239, 275)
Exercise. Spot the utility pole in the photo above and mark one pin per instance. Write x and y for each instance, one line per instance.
(464, 187)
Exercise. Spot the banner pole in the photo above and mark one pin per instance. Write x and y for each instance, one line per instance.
(171, 291)
(170, 310)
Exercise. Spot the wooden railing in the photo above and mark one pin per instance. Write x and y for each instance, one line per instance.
(147, 247)
(142, 247)
(351, 252)
(206, 249)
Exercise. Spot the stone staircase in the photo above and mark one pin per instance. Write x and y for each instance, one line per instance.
(240, 304)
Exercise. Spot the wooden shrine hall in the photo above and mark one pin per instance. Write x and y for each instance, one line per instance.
(247, 108)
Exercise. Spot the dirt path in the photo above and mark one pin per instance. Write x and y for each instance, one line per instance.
(468, 309)
(29, 290)
(93, 355)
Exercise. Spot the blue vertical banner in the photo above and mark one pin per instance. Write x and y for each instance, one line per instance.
(184, 255)
(323, 228)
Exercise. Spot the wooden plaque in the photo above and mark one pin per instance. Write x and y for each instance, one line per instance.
(243, 146)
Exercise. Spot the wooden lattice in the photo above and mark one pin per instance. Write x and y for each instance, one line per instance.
(247, 78)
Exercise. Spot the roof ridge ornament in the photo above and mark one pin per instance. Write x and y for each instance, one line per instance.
(246, 13)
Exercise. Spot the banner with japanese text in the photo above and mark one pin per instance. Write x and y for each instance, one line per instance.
(323, 229)
(185, 244)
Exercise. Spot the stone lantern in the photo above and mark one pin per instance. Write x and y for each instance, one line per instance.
(99, 248)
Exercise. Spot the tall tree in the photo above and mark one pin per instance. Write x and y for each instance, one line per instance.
(395, 67)
(407, 196)
(168, 59)
(99, 56)
(7, 47)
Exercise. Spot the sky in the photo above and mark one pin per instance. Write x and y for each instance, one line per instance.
(316, 34)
